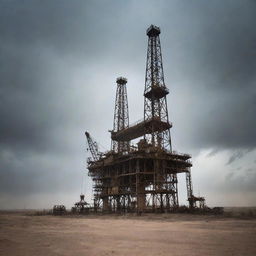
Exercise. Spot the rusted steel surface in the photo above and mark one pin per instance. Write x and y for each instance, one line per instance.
(142, 178)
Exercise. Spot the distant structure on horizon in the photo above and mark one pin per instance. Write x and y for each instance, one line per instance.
(141, 178)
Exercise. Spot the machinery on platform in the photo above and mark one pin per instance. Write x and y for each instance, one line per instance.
(81, 207)
(59, 210)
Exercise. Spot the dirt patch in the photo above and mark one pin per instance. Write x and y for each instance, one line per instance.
(167, 234)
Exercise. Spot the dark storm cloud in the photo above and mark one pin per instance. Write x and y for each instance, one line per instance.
(66, 27)
(42, 44)
(47, 53)
(219, 63)
(59, 61)
(40, 173)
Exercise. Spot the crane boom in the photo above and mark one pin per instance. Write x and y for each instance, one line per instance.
(93, 147)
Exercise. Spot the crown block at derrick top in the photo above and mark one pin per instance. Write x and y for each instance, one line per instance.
(153, 31)
(121, 80)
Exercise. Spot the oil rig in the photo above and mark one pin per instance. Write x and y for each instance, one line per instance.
(142, 177)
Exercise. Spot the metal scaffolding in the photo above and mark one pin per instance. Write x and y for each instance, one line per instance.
(121, 115)
(141, 178)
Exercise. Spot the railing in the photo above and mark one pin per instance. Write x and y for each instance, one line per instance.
(140, 121)
(181, 154)
(157, 85)
(135, 123)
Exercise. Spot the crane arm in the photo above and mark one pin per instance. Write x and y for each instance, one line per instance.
(93, 147)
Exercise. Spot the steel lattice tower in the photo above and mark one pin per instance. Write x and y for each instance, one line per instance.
(155, 104)
(121, 115)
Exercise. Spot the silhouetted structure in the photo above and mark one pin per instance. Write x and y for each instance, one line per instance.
(141, 178)
(121, 115)
(82, 206)
(59, 210)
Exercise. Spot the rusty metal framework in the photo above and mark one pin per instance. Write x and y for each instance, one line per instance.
(142, 178)
(155, 104)
(121, 115)
(93, 147)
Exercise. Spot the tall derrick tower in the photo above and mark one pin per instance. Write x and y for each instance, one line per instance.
(155, 104)
(155, 108)
(121, 115)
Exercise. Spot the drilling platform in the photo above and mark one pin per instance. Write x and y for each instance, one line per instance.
(141, 178)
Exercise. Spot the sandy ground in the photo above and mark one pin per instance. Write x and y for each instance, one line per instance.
(173, 234)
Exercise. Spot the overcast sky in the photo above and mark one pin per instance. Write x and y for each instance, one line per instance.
(58, 64)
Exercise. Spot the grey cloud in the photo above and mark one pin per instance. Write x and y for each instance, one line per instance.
(212, 76)
(213, 152)
(250, 170)
(237, 155)
(240, 182)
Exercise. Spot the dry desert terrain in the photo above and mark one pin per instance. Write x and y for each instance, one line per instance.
(173, 234)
